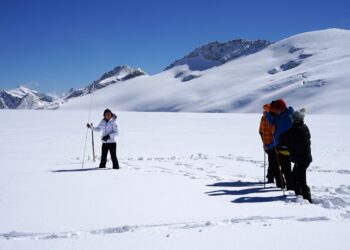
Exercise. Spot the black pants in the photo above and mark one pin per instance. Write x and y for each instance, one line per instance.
(112, 148)
(286, 167)
(272, 170)
(299, 174)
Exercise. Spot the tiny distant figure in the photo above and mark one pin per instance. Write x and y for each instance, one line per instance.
(266, 131)
(109, 132)
(298, 141)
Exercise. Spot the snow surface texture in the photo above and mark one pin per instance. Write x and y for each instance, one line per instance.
(307, 70)
(187, 181)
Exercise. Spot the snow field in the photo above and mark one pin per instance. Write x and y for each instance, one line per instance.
(190, 181)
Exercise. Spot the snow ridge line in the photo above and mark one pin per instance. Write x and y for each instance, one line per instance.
(14, 235)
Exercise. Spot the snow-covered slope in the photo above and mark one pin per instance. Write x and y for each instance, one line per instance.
(309, 69)
(216, 53)
(24, 98)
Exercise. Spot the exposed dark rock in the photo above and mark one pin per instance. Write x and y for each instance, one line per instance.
(290, 65)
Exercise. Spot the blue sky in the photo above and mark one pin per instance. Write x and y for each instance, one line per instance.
(53, 45)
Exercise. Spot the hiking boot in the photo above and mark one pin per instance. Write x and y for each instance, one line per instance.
(297, 191)
(307, 195)
(270, 180)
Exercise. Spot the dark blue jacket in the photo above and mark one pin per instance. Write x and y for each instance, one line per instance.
(282, 123)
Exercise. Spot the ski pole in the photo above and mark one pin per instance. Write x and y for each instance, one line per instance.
(93, 144)
(265, 153)
(264, 169)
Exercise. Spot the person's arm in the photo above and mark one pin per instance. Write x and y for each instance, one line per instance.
(270, 119)
(261, 128)
(303, 138)
(98, 128)
(114, 131)
(307, 133)
(270, 145)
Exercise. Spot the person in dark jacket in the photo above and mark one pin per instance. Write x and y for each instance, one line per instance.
(298, 141)
(282, 122)
(109, 132)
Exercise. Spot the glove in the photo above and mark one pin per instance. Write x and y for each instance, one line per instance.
(88, 125)
(114, 116)
(105, 138)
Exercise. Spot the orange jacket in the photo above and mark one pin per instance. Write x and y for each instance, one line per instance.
(266, 130)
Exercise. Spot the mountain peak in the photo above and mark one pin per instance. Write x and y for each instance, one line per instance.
(217, 53)
(117, 74)
(23, 88)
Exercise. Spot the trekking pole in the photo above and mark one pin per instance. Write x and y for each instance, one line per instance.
(265, 153)
(264, 169)
(279, 167)
(93, 144)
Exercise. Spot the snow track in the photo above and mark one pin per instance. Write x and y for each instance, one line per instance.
(166, 228)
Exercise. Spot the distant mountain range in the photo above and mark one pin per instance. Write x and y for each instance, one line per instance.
(308, 69)
(25, 98)
(205, 57)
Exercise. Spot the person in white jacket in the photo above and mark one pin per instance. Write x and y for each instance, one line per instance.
(109, 132)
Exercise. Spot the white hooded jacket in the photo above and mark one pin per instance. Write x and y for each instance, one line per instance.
(108, 128)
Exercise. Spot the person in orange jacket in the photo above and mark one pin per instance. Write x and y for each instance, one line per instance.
(266, 131)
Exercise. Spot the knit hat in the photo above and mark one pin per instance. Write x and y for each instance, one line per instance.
(299, 115)
(279, 104)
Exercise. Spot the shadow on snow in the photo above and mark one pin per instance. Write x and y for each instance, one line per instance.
(236, 184)
(252, 188)
(259, 199)
(77, 170)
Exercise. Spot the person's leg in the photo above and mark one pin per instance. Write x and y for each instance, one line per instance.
(104, 155)
(280, 180)
(271, 170)
(286, 167)
(304, 188)
(113, 152)
(297, 176)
